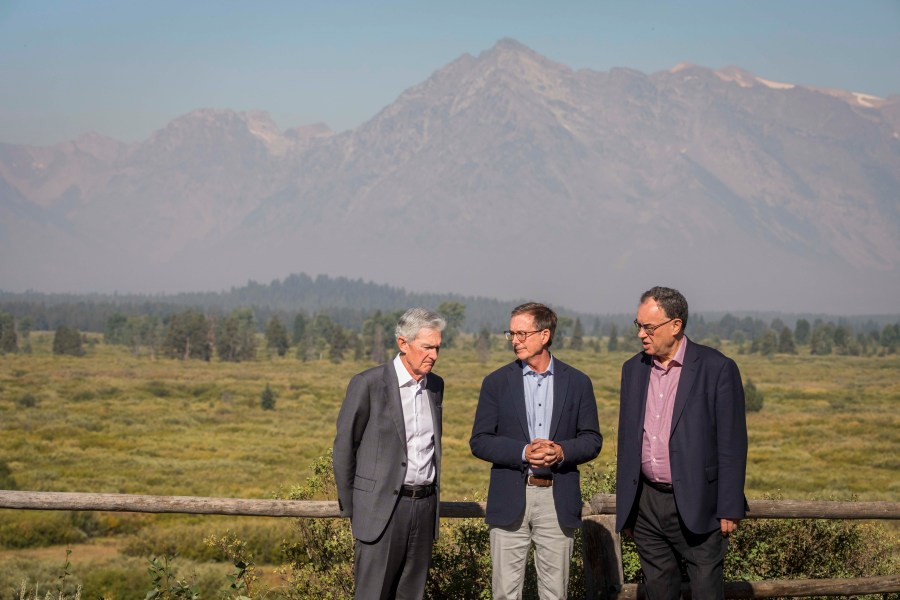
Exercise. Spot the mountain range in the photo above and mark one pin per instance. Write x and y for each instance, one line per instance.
(503, 175)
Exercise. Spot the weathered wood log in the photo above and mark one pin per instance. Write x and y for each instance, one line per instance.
(797, 588)
(166, 504)
(600, 504)
(198, 505)
(817, 509)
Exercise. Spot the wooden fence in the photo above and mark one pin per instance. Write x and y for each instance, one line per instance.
(602, 548)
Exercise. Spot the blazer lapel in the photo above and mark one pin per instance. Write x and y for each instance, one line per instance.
(517, 397)
(395, 407)
(685, 382)
(560, 396)
(641, 383)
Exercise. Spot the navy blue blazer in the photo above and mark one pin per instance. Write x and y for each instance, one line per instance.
(500, 433)
(708, 443)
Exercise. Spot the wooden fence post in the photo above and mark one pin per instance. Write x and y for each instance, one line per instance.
(602, 552)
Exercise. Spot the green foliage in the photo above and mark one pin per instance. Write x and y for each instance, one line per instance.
(188, 336)
(807, 548)
(243, 580)
(7, 481)
(577, 342)
(821, 340)
(9, 341)
(455, 315)
(612, 344)
(786, 341)
(802, 332)
(299, 327)
(166, 585)
(267, 398)
(483, 345)
(236, 336)
(277, 337)
(753, 398)
(27, 400)
(322, 560)
(768, 345)
(67, 340)
(890, 338)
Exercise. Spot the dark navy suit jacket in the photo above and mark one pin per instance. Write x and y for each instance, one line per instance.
(708, 443)
(500, 433)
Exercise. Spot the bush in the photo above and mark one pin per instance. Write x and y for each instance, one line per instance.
(808, 548)
(267, 398)
(753, 398)
(67, 340)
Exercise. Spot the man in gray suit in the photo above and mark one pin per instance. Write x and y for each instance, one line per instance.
(387, 462)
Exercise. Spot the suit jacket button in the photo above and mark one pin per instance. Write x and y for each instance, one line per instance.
(396, 492)
(634, 482)
(402, 464)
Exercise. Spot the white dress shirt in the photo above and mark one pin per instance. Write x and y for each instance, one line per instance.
(419, 427)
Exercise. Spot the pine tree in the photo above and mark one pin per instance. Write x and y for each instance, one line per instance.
(277, 337)
(9, 341)
(613, 343)
(267, 398)
(786, 341)
(577, 342)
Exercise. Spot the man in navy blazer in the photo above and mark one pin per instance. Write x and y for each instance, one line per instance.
(536, 421)
(387, 463)
(682, 452)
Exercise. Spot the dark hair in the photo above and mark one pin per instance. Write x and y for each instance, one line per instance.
(673, 303)
(542, 315)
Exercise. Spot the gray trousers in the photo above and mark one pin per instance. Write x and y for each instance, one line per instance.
(662, 540)
(396, 565)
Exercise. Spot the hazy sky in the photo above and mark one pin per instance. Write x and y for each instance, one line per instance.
(125, 68)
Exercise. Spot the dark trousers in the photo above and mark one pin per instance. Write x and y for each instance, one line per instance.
(662, 540)
(396, 565)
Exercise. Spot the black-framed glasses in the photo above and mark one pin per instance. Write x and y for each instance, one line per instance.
(519, 335)
(649, 329)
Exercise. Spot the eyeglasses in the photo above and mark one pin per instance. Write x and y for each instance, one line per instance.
(649, 329)
(519, 335)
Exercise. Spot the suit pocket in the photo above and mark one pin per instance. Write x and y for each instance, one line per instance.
(712, 473)
(363, 483)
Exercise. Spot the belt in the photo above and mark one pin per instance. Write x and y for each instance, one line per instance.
(540, 481)
(665, 488)
(417, 491)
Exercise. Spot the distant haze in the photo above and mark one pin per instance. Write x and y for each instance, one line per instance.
(504, 175)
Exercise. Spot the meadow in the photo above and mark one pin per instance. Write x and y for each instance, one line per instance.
(114, 422)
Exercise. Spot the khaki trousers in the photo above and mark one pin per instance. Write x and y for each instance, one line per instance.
(553, 546)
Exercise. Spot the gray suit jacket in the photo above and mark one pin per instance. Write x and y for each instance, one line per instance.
(370, 449)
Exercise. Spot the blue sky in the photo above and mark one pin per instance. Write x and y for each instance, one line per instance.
(125, 68)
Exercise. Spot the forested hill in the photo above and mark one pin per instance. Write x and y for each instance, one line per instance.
(347, 301)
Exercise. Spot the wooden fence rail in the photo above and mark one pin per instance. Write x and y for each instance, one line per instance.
(602, 548)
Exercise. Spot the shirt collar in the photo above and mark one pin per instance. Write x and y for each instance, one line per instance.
(403, 376)
(678, 359)
(526, 370)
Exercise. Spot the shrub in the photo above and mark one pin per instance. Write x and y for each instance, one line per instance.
(753, 398)
(27, 400)
(267, 398)
(67, 340)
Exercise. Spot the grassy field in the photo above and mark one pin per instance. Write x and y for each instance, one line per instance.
(112, 422)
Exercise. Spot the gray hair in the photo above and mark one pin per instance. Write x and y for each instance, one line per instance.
(416, 319)
(673, 303)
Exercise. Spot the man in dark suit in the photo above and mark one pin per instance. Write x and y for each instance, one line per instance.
(387, 462)
(682, 452)
(536, 421)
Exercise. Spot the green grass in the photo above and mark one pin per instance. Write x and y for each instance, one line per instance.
(113, 422)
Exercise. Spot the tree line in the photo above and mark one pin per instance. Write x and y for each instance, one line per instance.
(233, 337)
